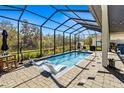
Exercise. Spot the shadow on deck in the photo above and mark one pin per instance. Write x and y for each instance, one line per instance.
(117, 73)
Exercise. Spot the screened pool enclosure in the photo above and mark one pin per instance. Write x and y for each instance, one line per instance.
(42, 30)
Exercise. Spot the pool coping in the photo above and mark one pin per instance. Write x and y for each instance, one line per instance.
(42, 58)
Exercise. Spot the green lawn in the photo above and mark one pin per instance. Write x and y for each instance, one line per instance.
(46, 52)
(36, 53)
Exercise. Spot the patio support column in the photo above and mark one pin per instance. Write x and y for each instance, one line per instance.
(63, 42)
(18, 28)
(105, 35)
(18, 39)
(41, 54)
(78, 38)
(75, 41)
(70, 42)
(96, 39)
(54, 41)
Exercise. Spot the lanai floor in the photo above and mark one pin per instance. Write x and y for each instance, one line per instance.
(88, 74)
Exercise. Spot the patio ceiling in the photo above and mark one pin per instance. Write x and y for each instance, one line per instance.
(64, 18)
(116, 18)
(115, 14)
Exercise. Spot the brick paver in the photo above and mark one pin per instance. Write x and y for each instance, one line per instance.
(87, 74)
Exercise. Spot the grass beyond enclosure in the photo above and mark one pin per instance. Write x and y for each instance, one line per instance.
(46, 52)
(36, 53)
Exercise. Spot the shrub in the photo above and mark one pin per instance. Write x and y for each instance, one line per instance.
(26, 56)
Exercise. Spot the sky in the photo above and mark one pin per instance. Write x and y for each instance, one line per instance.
(47, 11)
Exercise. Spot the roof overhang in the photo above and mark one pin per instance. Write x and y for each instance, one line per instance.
(88, 25)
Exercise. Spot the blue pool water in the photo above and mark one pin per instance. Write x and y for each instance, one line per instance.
(68, 59)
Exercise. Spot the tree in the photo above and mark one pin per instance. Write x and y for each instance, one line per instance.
(30, 35)
(6, 25)
(35, 35)
(88, 41)
(25, 32)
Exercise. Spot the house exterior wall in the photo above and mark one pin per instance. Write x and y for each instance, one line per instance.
(117, 37)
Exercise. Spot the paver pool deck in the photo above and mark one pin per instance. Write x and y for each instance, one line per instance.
(87, 74)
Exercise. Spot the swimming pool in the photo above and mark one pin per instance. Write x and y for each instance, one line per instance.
(68, 59)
